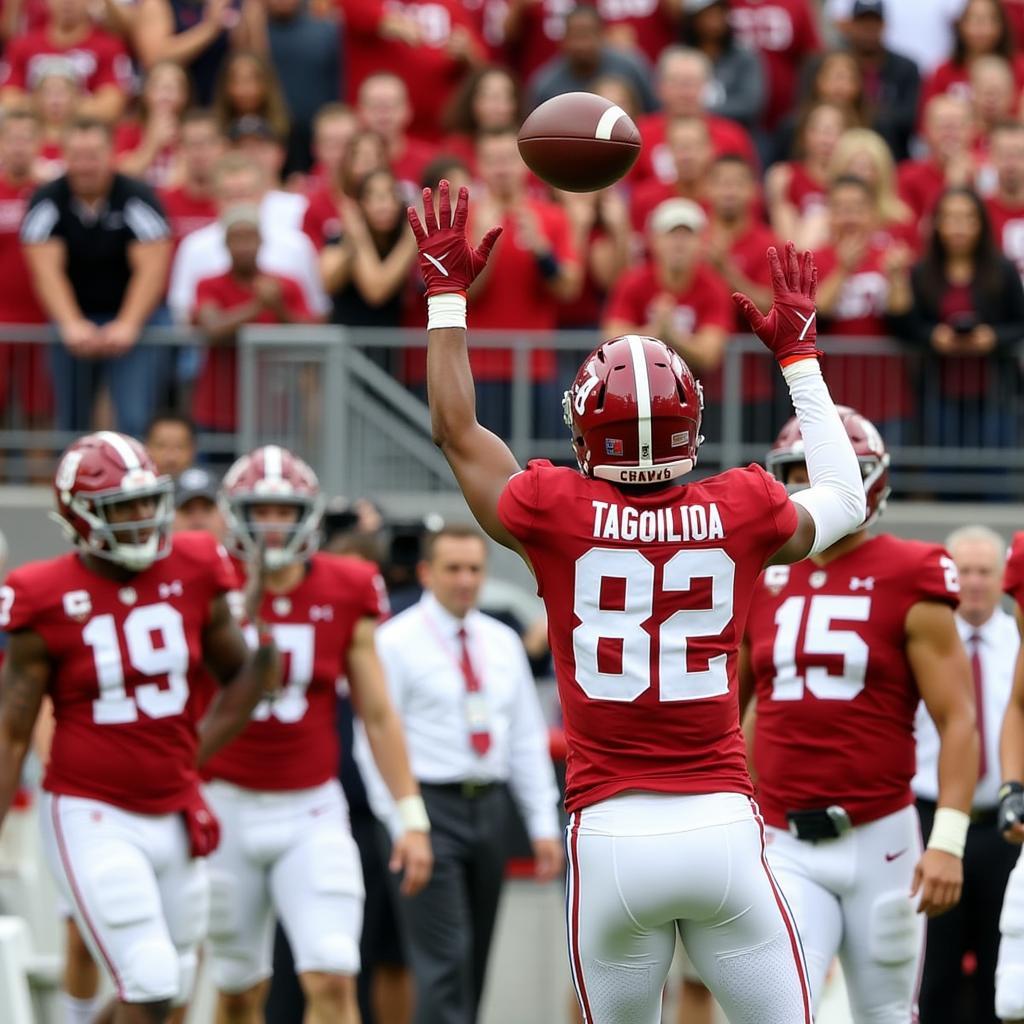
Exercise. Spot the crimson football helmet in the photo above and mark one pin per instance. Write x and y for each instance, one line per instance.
(788, 450)
(272, 475)
(100, 471)
(634, 410)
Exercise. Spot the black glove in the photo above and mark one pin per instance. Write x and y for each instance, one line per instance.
(1011, 805)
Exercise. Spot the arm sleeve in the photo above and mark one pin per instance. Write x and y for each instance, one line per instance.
(517, 506)
(531, 775)
(781, 521)
(225, 574)
(835, 500)
(374, 596)
(42, 221)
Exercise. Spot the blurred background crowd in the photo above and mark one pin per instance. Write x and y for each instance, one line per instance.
(237, 162)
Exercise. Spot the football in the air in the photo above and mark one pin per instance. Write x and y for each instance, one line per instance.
(579, 142)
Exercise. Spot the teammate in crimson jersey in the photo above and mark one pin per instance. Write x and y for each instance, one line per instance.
(116, 633)
(646, 579)
(841, 648)
(287, 848)
(1010, 967)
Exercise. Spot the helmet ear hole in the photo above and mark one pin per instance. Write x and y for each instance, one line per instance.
(599, 404)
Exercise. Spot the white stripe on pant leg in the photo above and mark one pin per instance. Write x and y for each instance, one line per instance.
(570, 886)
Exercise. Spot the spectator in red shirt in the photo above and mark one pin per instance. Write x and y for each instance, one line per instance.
(333, 128)
(192, 205)
(225, 303)
(993, 99)
(785, 32)
(861, 284)
(983, 29)
(429, 44)
(100, 60)
(796, 189)
(533, 31)
(862, 153)
(383, 107)
(248, 87)
(683, 84)
(197, 35)
(487, 101)
(365, 154)
(24, 377)
(148, 147)
(690, 149)
(950, 162)
(675, 296)
(601, 235)
(644, 26)
(54, 100)
(1006, 205)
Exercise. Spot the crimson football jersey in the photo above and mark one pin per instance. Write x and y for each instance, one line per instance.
(835, 694)
(124, 656)
(1013, 574)
(292, 742)
(647, 597)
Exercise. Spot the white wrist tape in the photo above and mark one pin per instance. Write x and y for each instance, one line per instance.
(835, 499)
(448, 310)
(949, 831)
(412, 813)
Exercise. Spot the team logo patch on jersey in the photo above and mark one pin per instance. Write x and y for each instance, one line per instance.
(817, 579)
(281, 605)
(127, 595)
(613, 446)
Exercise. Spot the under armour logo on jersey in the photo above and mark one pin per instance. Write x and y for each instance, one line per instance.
(868, 583)
(436, 261)
(321, 613)
(77, 604)
(172, 589)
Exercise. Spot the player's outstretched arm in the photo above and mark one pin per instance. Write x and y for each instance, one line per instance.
(23, 681)
(411, 851)
(481, 461)
(834, 504)
(943, 675)
(1011, 754)
(246, 677)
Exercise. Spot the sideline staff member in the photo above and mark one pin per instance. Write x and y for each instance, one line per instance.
(463, 689)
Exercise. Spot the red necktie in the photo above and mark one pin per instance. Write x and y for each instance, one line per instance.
(479, 734)
(979, 699)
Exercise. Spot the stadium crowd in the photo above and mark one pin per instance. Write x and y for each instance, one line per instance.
(234, 162)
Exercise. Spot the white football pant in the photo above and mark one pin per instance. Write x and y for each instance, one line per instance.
(644, 866)
(140, 901)
(851, 899)
(1010, 967)
(289, 854)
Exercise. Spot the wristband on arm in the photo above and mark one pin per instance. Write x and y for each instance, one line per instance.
(949, 831)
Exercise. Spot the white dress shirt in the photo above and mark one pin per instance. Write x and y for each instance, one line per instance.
(419, 650)
(285, 250)
(998, 648)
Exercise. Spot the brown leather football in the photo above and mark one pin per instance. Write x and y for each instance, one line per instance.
(579, 142)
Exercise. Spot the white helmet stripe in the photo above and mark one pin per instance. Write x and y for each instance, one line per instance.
(123, 449)
(272, 462)
(643, 400)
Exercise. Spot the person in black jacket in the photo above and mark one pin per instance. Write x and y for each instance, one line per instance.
(968, 310)
(892, 82)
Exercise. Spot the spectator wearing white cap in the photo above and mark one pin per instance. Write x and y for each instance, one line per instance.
(675, 296)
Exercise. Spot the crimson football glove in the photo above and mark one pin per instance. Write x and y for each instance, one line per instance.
(447, 261)
(788, 329)
(202, 826)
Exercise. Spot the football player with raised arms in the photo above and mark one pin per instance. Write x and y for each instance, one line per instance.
(840, 650)
(1010, 966)
(287, 850)
(117, 632)
(647, 579)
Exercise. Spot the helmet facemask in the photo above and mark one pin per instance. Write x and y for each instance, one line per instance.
(249, 538)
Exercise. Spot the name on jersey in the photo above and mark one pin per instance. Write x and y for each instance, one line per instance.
(678, 523)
